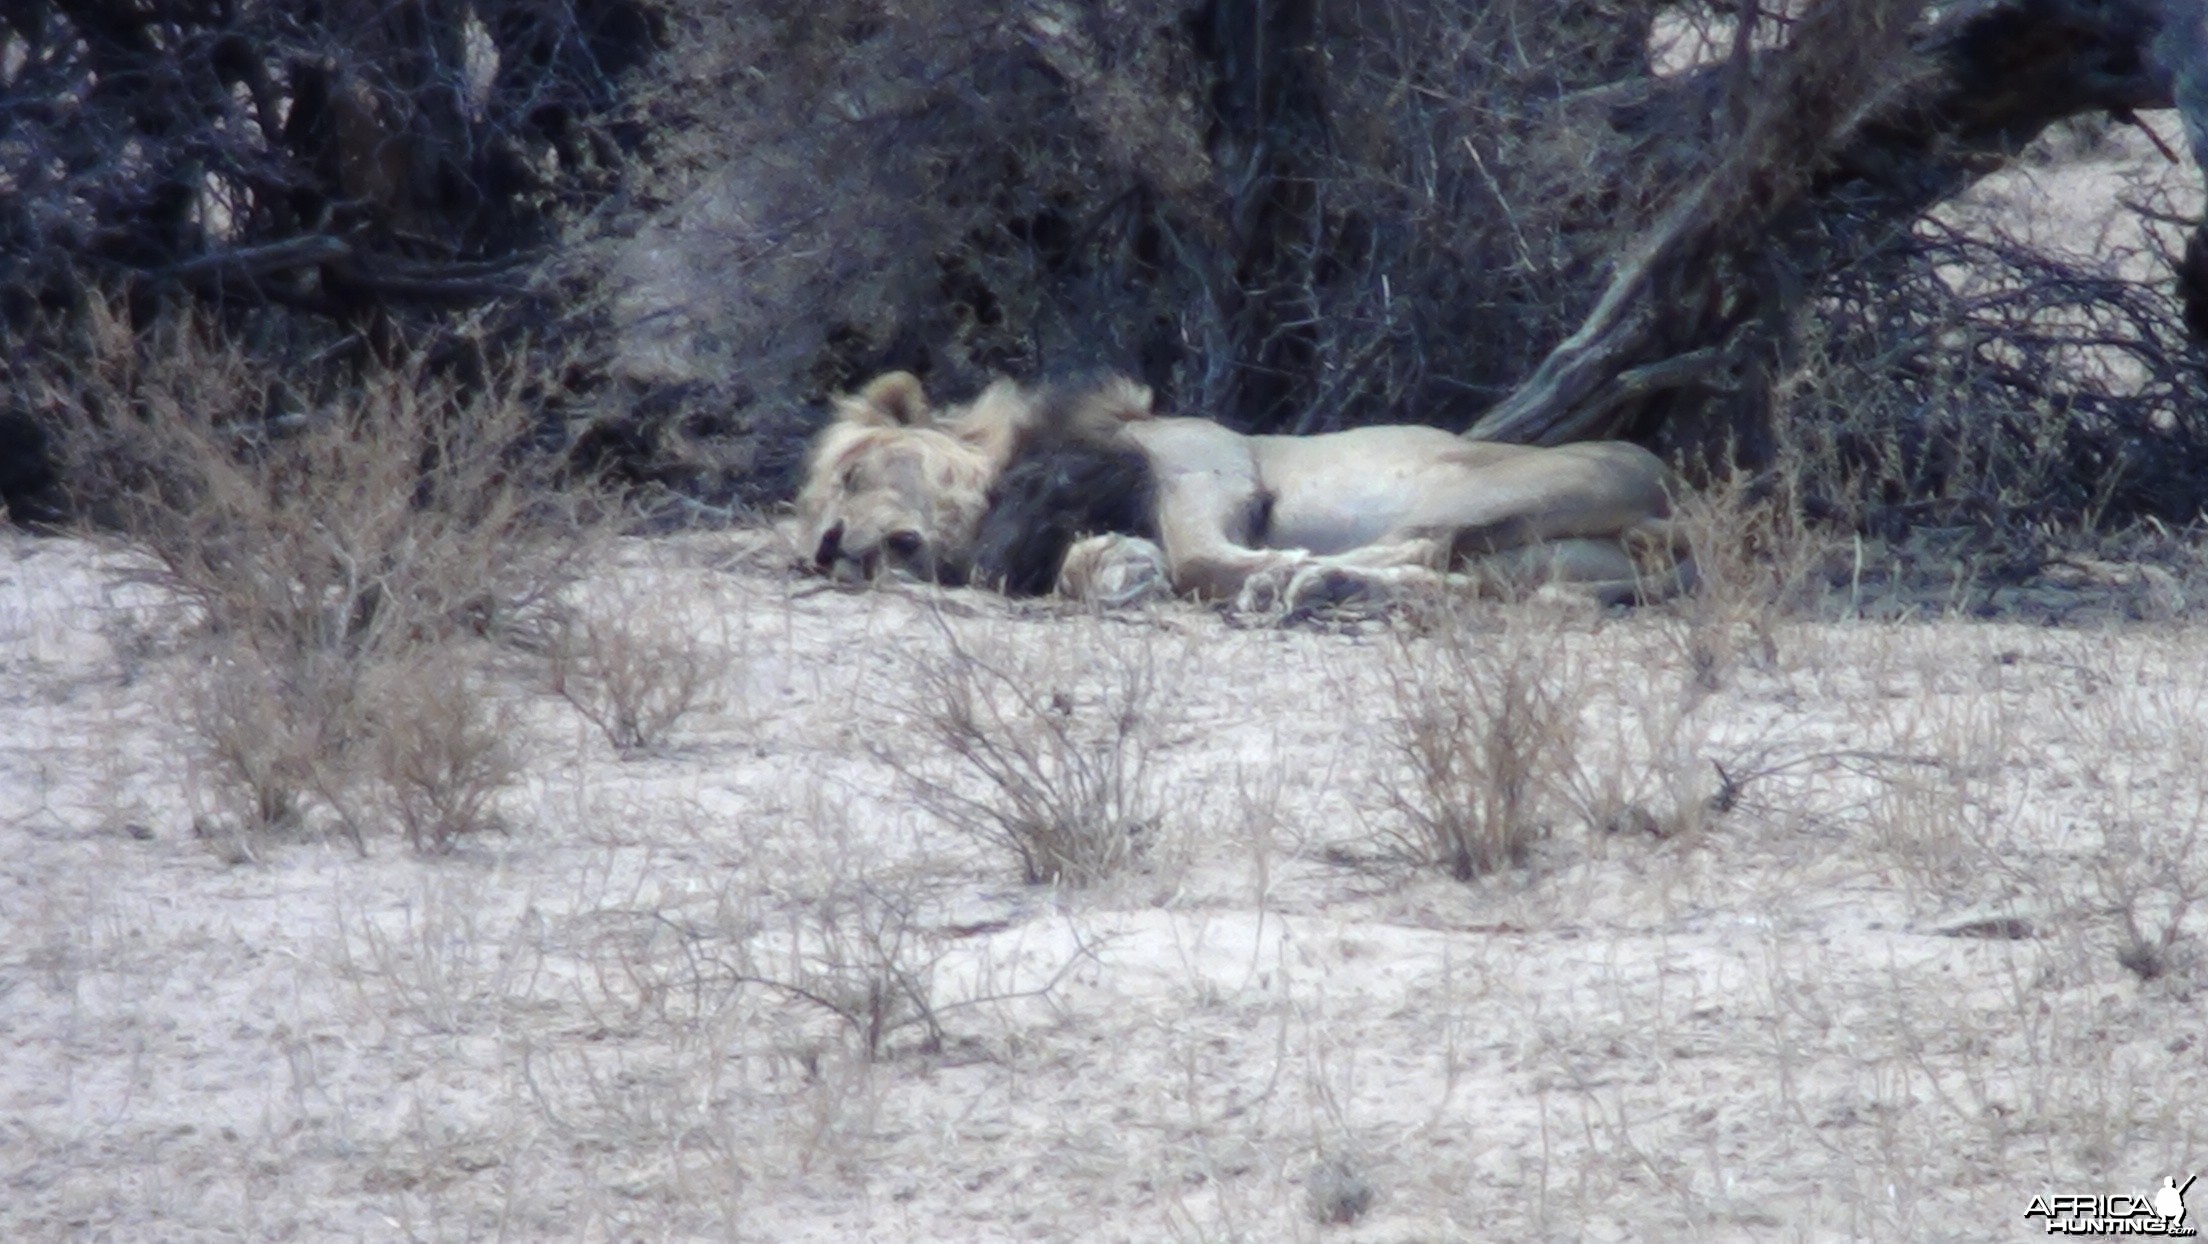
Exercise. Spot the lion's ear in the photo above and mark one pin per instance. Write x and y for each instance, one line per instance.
(892, 400)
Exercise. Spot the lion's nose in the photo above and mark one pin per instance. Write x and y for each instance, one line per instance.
(904, 544)
(831, 544)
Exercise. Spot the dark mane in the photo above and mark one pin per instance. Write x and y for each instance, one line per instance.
(1069, 480)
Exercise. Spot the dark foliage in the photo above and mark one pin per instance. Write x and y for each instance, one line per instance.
(2043, 392)
(334, 185)
(342, 161)
(30, 487)
(1290, 219)
(1296, 217)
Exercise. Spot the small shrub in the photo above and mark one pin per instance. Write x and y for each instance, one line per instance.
(442, 752)
(1657, 775)
(636, 665)
(868, 961)
(1046, 763)
(267, 740)
(1488, 734)
(867, 954)
(1759, 561)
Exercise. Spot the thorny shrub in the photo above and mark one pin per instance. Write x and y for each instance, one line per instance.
(327, 553)
(1486, 735)
(1046, 759)
(637, 664)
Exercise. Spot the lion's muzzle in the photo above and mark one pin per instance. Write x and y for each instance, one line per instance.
(842, 564)
(903, 553)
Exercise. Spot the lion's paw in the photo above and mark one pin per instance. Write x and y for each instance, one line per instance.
(1114, 571)
(1319, 588)
(1265, 591)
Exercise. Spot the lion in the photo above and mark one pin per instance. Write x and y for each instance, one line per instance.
(1088, 491)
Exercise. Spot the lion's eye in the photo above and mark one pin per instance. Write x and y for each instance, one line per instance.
(903, 543)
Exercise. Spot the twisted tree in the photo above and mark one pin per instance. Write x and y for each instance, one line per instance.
(1864, 115)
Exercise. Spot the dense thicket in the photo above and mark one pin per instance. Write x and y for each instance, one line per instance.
(330, 184)
(1546, 218)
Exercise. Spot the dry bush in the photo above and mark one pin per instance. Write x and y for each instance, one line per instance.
(2002, 396)
(1045, 758)
(863, 955)
(834, 941)
(1651, 759)
(265, 744)
(858, 949)
(870, 963)
(1975, 405)
(411, 740)
(1488, 735)
(1759, 561)
(327, 553)
(636, 660)
(443, 750)
(405, 511)
(2146, 749)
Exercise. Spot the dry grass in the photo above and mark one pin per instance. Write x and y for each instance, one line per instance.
(1506, 727)
(443, 750)
(1761, 562)
(1047, 760)
(639, 661)
(1488, 732)
(2148, 877)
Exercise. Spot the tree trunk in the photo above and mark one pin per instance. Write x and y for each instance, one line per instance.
(1867, 121)
(1268, 126)
(2182, 50)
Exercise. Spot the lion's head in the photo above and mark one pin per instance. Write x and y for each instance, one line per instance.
(891, 488)
(894, 487)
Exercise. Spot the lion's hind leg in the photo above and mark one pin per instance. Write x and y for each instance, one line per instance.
(1605, 569)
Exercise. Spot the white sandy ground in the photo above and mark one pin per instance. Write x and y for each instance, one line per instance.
(1761, 1027)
